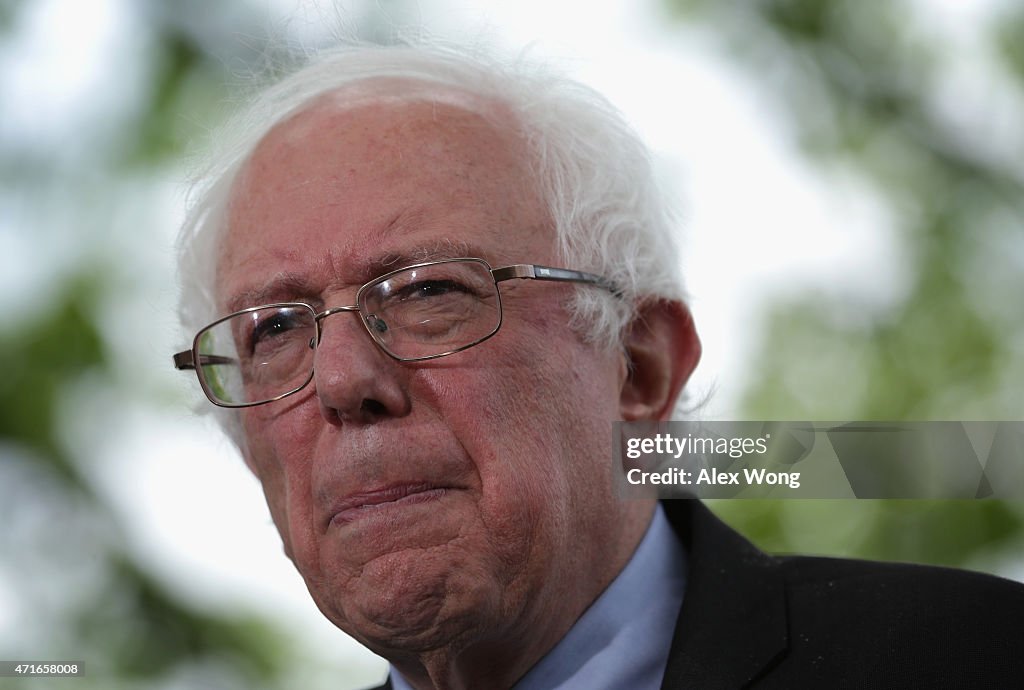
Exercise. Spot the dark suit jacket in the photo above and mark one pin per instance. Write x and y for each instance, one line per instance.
(753, 620)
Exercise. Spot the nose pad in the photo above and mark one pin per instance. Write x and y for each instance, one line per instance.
(376, 324)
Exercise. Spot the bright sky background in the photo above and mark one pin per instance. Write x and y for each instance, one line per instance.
(757, 222)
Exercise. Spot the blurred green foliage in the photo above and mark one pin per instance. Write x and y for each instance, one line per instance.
(1010, 39)
(65, 549)
(42, 358)
(869, 88)
(128, 627)
(182, 633)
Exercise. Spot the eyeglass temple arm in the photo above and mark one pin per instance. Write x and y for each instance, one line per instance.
(537, 272)
(184, 360)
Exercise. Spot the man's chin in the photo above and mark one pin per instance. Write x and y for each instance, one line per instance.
(399, 604)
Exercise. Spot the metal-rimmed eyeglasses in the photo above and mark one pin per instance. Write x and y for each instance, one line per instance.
(424, 311)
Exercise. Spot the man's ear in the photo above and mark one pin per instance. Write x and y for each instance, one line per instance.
(662, 349)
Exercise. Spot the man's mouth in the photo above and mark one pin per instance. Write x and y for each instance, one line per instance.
(366, 503)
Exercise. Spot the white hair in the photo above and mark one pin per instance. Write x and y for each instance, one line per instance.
(590, 168)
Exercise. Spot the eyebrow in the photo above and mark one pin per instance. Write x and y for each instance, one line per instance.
(284, 287)
(291, 286)
(440, 249)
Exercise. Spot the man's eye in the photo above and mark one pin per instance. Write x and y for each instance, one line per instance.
(274, 327)
(433, 288)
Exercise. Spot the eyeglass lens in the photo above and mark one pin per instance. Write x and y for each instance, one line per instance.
(417, 313)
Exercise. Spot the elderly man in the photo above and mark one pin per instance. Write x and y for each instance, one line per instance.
(423, 286)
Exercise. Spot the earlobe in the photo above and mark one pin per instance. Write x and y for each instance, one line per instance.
(662, 349)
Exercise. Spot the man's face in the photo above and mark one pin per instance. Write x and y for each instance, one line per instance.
(425, 503)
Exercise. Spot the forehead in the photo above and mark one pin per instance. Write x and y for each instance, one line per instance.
(358, 179)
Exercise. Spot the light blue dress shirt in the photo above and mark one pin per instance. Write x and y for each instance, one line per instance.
(623, 639)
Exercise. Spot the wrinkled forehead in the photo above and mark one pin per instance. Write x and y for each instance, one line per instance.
(354, 160)
(365, 104)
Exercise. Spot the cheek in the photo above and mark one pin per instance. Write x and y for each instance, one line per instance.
(549, 389)
(278, 453)
(539, 441)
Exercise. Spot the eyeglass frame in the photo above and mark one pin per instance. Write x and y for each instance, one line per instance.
(186, 359)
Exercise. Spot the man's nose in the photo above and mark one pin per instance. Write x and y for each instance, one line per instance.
(356, 382)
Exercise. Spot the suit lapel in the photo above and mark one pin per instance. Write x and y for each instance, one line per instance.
(732, 624)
